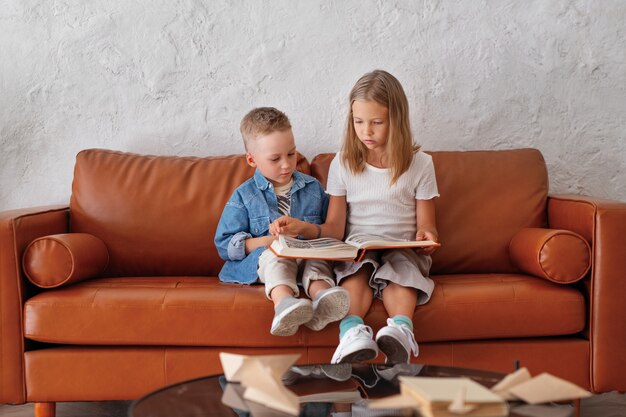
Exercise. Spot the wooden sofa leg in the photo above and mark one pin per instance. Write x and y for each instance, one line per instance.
(45, 409)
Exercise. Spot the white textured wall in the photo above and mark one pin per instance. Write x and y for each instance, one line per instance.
(165, 77)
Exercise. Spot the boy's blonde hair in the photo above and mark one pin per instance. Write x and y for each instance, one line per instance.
(262, 121)
(386, 90)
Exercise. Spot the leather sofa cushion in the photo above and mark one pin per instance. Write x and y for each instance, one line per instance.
(197, 311)
(560, 256)
(56, 260)
(486, 197)
(157, 215)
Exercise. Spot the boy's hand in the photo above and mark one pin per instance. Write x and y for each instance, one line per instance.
(286, 225)
(427, 235)
(256, 242)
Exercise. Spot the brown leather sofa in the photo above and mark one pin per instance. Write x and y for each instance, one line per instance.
(521, 276)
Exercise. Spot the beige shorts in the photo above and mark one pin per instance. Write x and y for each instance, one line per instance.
(274, 271)
(404, 267)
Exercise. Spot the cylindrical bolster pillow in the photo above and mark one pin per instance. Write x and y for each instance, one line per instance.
(560, 256)
(55, 260)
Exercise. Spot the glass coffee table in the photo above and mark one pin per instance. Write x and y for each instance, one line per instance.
(323, 389)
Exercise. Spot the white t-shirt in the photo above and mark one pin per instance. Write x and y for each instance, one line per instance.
(377, 207)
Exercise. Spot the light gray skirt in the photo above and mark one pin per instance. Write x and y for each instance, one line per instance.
(404, 267)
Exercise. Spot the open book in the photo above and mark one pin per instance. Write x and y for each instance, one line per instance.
(352, 249)
(326, 390)
(318, 391)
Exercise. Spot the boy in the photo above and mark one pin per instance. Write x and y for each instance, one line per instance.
(243, 232)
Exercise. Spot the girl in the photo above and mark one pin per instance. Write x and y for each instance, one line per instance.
(382, 184)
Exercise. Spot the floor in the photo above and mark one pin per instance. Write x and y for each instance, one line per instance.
(606, 405)
(93, 409)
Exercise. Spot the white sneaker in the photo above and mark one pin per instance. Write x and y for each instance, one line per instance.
(338, 371)
(391, 373)
(356, 345)
(396, 342)
(290, 314)
(330, 305)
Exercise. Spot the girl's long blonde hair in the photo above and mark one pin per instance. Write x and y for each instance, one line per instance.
(386, 90)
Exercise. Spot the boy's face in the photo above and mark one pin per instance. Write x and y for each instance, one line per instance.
(274, 155)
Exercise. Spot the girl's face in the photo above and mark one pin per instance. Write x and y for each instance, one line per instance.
(371, 124)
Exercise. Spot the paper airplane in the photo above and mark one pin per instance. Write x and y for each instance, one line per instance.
(503, 387)
(233, 397)
(234, 364)
(536, 390)
(459, 406)
(518, 385)
(261, 377)
(547, 388)
(444, 397)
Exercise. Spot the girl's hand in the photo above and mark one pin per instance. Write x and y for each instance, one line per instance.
(427, 235)
(286, 225)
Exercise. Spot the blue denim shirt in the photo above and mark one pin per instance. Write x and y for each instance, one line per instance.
(250, 211)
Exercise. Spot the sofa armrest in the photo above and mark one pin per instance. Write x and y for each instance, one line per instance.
(603, 224)
(560, 256)
(17, 229)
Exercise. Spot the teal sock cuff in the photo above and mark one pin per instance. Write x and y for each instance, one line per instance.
(347, 323)
(403, 321)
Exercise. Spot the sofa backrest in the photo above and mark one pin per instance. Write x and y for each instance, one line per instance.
(486, 197)
(157, 215)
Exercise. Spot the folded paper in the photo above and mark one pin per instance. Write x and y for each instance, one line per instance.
(547, 388)
(233, 364)
(425, 393)
(503, 387)
(435, 397)
(543, 388)
(261, 377)
(233, 397)
(458, 405)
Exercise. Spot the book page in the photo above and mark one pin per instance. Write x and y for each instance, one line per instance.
(321, 243)
(322, 248)
(326, 390)
(364, 240)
